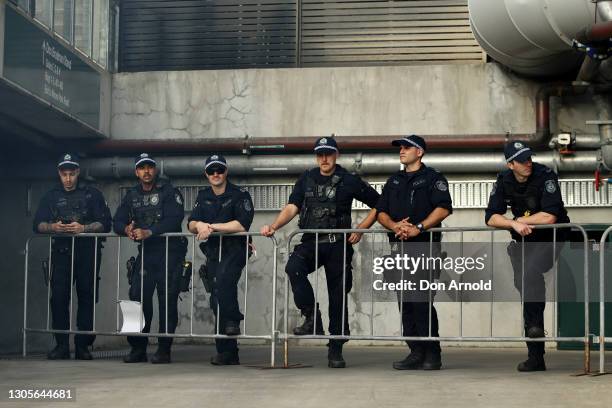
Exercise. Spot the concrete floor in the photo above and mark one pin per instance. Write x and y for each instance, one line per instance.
(472, 377)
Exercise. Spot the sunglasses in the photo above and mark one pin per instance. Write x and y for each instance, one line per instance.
(215, 170)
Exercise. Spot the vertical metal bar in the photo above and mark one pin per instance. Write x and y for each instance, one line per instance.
(95, 281)
(274, 277)
(401, 305)
(554, 284)
(73, 22)
(523, 284)
(215, 287)
(344, 305)
(50, 274)
(118, 282)
(430, 310)
(246, 284)
(372, 287)
(25, 298)
(91, 28)
(286, 316)
(461, 238)
(316, 270)
(492, 291)
(166, 297)
(52, 16)
(71, 280)
(193, 255)
(142, 255)
(602, 300)
(587, 325)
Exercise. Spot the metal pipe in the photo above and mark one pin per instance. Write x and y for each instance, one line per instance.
(375, 163)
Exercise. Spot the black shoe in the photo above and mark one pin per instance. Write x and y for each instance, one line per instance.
(307, 328)
(82, 353)
(334, 356)
(433, 360)
(136, 356)
(532, 364)
(60, 352)
(161, 356)
(232, 328)
(414, 361)
(225, 358)
(535, 332)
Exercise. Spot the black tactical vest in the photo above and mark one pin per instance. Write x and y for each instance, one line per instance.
(523, 201)
(72, 207)
(146, 207)
(320, 209)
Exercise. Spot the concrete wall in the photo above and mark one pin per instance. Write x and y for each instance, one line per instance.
(438, 99)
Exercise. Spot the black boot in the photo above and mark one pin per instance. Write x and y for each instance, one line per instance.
(82, 353)
(334, 355)
(433, 360)
(136, 355)
(60, 352)
(307, 328)
(532, 364)
(232, 328)
(161, 356)
(225, 358)
(414, 360)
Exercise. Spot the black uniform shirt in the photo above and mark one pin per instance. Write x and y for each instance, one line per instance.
(87, 201)
(235, 204)
(172, 211)
(539, 193)
(414, 196)
(349, 188)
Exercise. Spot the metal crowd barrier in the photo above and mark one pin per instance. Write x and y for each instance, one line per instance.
(270, 337)
(602, 302)
(318, 232)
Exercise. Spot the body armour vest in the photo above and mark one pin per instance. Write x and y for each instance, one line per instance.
(320, 209)
(524, 200)
(72, 207)
(146, 207)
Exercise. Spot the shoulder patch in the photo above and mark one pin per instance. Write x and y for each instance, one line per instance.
(247, 205)
(178, 198)
(551, 186)
(441, 185)
(493, 190)
(243, 189)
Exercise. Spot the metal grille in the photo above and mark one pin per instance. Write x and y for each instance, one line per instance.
(206, 34)
(213, 34)
(465, 194)
(346, 32)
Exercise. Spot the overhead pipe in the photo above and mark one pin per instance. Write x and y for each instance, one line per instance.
(280, 165)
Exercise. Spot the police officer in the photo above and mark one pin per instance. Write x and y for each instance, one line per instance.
(69, 209)
(323, 197)
(223, 207)
(531, 190)
(414, 200)
(149, 209)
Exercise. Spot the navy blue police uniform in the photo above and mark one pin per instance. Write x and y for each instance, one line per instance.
(325, 203)
(224, 269)
(540, 193)
(84, 205)
(160, 210)
(415, 195)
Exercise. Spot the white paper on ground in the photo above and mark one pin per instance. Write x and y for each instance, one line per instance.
(133, 320)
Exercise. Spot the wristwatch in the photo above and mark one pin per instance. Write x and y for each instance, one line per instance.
(420, 227)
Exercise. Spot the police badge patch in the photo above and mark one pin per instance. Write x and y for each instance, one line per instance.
(441, 185)
(247, 205)
(154, 199)
(550, 186)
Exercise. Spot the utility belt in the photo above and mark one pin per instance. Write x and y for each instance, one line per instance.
(325, 238)
(183, 278)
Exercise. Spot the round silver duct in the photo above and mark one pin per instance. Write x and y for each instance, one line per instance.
(533, 37)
